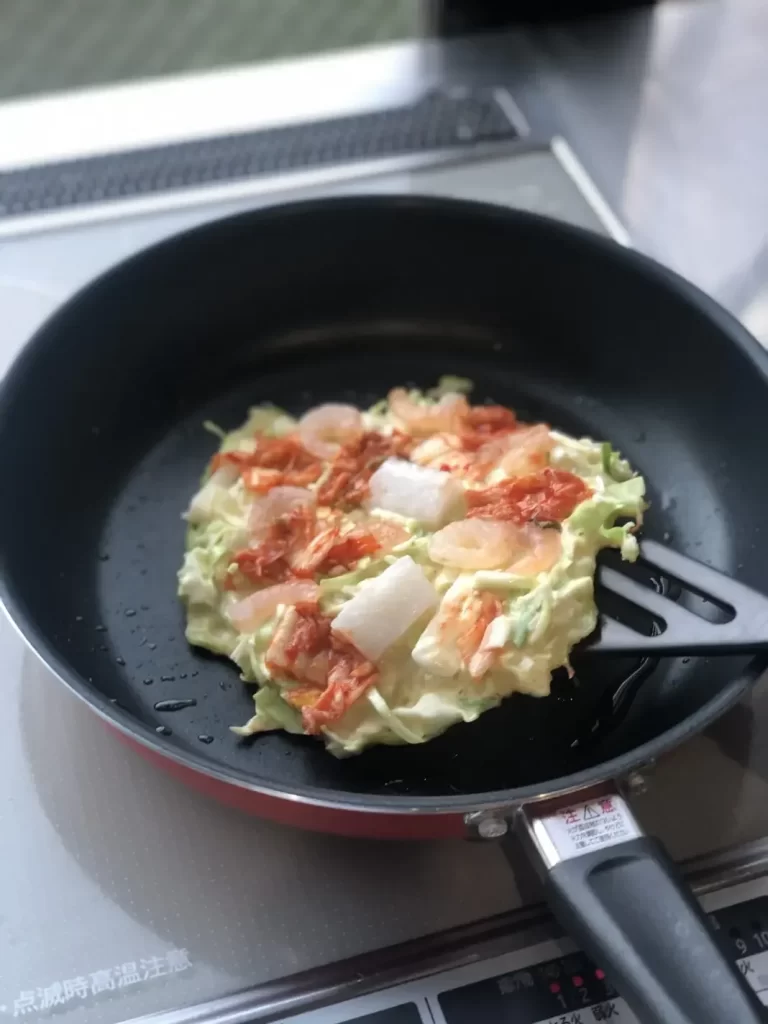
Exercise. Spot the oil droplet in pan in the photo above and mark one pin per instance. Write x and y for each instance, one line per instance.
(204, 738)
(175, 705)
(163, 730)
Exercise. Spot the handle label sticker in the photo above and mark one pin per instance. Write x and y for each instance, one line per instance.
(589, 826)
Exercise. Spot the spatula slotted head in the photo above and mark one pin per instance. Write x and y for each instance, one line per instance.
(742, 624)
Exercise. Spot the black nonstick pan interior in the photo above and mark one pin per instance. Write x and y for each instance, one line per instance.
(103, 444)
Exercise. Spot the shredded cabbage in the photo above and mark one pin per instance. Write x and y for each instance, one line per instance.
(449, 385)
(382, 709)
(272, 712)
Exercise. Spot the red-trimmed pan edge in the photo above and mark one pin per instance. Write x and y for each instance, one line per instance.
(302, 815)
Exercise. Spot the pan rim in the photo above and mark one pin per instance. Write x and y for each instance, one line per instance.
(374, 803)
(380, 804)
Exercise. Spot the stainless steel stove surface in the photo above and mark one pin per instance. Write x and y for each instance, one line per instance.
(123, 894)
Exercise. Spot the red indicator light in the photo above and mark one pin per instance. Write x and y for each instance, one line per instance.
(577, 980)
(554, 988)
(600, 975)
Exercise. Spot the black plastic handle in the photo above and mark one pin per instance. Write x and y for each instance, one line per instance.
(631, 911)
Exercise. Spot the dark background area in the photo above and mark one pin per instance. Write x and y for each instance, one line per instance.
(456, 17)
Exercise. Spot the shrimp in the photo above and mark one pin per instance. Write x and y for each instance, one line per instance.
(445, 452)
(472, 544)
(386, 534)
(271, 558)
(337, 548)
(489, 420)
(478, 612)
(348, 679)
(482, 660)
(520, 452)
(276, 503)
(324, 429)
(422, 420)
(331, 672)
(458, 630)
(300, 542)
(347, 551)
(486, 655)
(472, 455)
(260, 481)
(546, 548)
(306, 560)
(353, 466)
(272, 461)
(224, 476)
(250, 612)
(276, 658)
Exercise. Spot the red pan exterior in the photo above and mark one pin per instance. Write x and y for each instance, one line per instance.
(358, 824)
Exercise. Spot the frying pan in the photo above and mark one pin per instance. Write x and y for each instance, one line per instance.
(339, 300)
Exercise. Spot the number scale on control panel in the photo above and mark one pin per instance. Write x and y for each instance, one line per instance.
(551, 983)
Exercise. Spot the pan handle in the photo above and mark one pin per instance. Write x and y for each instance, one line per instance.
(620, 896)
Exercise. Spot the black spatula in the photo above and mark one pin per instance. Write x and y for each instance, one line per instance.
(679, 630)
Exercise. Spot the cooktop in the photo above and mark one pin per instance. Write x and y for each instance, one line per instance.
(125, 895)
